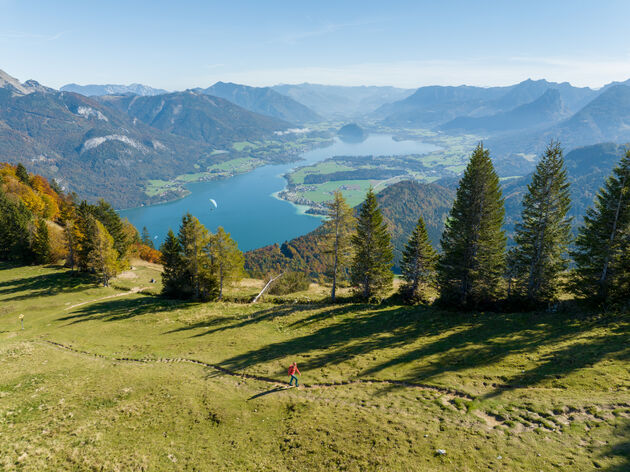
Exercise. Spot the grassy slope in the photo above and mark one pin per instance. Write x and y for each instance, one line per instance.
(550, 392)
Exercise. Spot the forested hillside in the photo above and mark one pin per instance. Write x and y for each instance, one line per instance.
(401, 204)
(112, 146)
(41, 224)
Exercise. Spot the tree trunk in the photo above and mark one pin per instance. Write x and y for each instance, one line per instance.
(336, 261)
(602, 279)
(266, 287)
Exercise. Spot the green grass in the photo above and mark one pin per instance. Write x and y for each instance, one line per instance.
(543, 391)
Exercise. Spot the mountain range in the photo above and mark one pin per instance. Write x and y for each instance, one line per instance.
(543, 111)
(263, 100)
(432, 106)
(197, 116)
(342, 102)
(93, 90)
(111, 146)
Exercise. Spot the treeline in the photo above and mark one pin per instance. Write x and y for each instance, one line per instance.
(40, 224)
(475, 268)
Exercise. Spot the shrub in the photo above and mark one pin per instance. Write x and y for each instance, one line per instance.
(290, 282)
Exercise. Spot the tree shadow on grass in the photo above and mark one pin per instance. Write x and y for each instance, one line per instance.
(117, 309)
(219, 324)
(343, 338)
(474, 341)
(268, 392)
(45, 285)
(620, 449)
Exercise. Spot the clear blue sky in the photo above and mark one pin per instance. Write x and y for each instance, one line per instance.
(181, 44)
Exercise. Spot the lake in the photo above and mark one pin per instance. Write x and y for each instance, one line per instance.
(247, 207)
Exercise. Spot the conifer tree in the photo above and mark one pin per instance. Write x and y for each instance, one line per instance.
(338, 229)
(146, 238)
(602, 253)
(173, 266)
(227, 259)
(473, 261)
(544, 233)
(371, 271)
(22, 174)
(103, 258)
(85, 229)
(418, 264)
(41, 243)
(106, 214)
(194, 239)
(15, 219)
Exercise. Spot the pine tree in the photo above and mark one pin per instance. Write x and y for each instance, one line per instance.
(544, 234)
(194, 239)
(338, 229)
(40, 243)
(103, 258)
(173, 264)
(146, 238)
(227, 259)
(602, 253)
(418, 264)
(371, 271)
(472, 265)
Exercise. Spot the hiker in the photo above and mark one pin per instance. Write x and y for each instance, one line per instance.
(293, 369)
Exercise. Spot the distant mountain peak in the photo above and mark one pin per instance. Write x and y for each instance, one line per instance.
(9, 82)
(91, 90)
(263, 100)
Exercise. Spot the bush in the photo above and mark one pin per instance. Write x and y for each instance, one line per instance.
(290, 282)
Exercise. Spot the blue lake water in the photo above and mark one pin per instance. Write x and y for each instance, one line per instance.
(247, 207)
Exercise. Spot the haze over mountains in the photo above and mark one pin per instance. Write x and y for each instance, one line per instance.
(85, 135)
(92, 90)
(197, 116)
(111, 146)
(263, 100)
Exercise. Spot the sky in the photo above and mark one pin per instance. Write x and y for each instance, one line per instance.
(183, 44)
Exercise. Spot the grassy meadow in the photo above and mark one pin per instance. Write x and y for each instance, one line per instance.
(383, 387)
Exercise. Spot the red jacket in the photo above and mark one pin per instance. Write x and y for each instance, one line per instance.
(293, 369)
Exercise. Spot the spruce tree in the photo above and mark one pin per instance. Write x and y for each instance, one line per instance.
(472, 265)
(602, 253)
(71, 239)
(338, 229)
(22, 174)
(15, 220)
(85, 229)
(173, 264)
(40, 243)
(227, 259)
(371, 271)
(195, 239)
(106, 214)
(418, 265)
(146, 238)
(544, 233)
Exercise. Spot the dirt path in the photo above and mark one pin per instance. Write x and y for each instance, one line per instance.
(116, 295)
(268, 380)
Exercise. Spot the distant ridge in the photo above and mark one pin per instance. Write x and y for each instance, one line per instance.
(92, 90)
(263, 100)
(545, 110)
